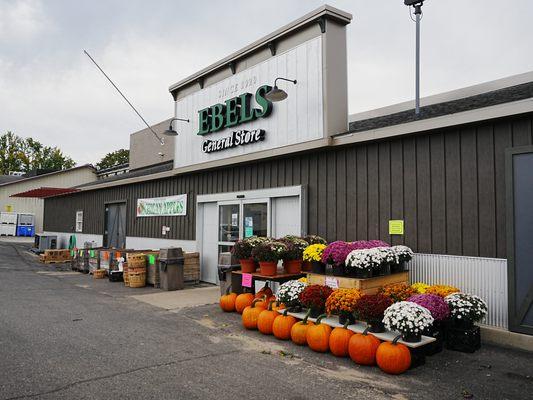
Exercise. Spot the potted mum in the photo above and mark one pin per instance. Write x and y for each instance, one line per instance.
(370, 308)
(442, 290)
(268, 254)
(408, 318)
(315, 239)
(313, 255)
(403, 255)
(314, 297)
(465, 310)
(382, 258)
(359, 264)
(440, 312)
(292, 257)
(242, 251)
(342, 303)
(397, 291)
(335, 255)
(289, 292)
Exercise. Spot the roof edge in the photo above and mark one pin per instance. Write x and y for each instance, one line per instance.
(89, 166)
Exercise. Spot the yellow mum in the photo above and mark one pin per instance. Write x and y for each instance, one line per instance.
(442, 290)
(420, 287)
(314, 252)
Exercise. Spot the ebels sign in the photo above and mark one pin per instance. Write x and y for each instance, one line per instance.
(233, 112)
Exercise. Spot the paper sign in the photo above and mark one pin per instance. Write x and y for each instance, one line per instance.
(246, 280)
(332, 282)
(151, 259)
(248, 231)
(396, 227)
(91, 253)
(235, 219)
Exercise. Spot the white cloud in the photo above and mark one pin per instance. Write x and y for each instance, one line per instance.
(21, 19)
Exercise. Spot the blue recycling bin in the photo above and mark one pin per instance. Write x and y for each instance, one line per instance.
(26, 230)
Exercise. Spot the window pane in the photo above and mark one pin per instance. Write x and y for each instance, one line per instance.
(228, 223)
(255, 219)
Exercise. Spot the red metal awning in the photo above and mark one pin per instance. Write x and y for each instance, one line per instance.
(44, 192)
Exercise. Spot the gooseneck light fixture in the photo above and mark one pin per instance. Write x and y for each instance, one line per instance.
(170, 131)
(277, 94)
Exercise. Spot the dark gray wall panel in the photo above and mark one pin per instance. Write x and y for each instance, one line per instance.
(447, 185)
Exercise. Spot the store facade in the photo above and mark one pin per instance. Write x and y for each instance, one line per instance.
(247, 166)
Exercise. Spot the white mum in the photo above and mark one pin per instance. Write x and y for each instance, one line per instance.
(289, 291)
(407, 317)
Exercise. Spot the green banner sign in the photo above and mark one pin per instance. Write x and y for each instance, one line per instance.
(162, 206)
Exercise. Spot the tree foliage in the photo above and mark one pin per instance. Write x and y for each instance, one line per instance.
(19, 154)
(114, 158)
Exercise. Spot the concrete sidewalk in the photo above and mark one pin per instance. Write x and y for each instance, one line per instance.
(181, 298)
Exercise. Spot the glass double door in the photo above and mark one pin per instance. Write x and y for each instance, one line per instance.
(242, 219)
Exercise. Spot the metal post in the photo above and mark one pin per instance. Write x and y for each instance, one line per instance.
(418, 12)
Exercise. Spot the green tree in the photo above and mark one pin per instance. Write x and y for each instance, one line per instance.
(117, 157)
(19, 154)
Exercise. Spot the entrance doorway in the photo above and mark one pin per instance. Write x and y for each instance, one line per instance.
(224, 218)
(115, 225)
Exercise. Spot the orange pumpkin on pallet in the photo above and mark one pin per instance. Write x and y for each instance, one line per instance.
(299, 330)
(266, 319)
(362, 348)
(339, 340)
(393, 358)
(318, 335)
(227, 301)
(242, 301)
(250, 314)
(282, 326)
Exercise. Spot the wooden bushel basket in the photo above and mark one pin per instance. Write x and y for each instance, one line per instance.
(99, 274)
(137, 279)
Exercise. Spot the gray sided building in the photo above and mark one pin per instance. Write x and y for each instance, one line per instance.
(458, 176)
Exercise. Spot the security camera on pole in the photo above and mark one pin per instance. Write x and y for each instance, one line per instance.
(417, 8)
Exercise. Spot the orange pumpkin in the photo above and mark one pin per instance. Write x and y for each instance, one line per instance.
(250, 315)
(242, 301)
(339, 340)
(282, 326)
(227, 301)
(362, 348)
(278, 306)
(262, 302)
(299, 330)
(393, 358)
(318, 335)
(266, 319)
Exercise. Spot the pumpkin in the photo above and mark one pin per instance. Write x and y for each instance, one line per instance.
(318, 335)
(362, 348)
(262, 302)
(266, 319)
(250, 315)
(282, 326)
(242, 301)
(393, 358)
(278, 306)
(227, 301)
(264, 291)
(299, 330)
(339, 340)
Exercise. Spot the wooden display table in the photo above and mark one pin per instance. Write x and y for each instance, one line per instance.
(280, 277)
(367, 286)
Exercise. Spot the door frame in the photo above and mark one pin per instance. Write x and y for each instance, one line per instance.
(104, 234)
(515, 320)
(245, 195)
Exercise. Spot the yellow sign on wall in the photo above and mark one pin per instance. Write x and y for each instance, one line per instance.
(9, 208)
(396, 227)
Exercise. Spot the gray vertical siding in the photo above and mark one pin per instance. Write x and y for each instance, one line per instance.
(448, 185)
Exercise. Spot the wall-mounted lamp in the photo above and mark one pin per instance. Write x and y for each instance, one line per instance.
(277, 94)
(170, 131)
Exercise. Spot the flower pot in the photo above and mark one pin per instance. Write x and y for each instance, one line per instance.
(306, 266)
(292, 266)
(316, 312)
(462, 324)
(339, 270)
(248, 266)
(346, 316)
(398, 267)
(359, 273)
(318, 268)
(268, 268)
(412, 337)
(383, 269)
(376, 326)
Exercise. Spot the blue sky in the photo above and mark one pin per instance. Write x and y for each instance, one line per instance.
(50, 91)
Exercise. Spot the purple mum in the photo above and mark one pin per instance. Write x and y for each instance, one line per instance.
(336, 252)
(435, 304)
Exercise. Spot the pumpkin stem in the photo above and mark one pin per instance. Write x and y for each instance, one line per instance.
(395, 341)
(228, 289)
(269, 308)
(307, 314)
(346, 323)
(255, 301)
(320, 318)
(285, 312)
(365, 332)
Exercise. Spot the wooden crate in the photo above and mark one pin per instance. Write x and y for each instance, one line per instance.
(367, 286)
(191, 267)
(55, 256)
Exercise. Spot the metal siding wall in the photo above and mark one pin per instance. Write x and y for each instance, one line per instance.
(447, 185)
(485, 277)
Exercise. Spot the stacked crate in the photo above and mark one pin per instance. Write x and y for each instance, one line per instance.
(152, 268)
(55, 256)
(26, 225)
(8, 223)
(191, 267)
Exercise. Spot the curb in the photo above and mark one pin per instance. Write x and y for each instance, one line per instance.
(507, 339)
